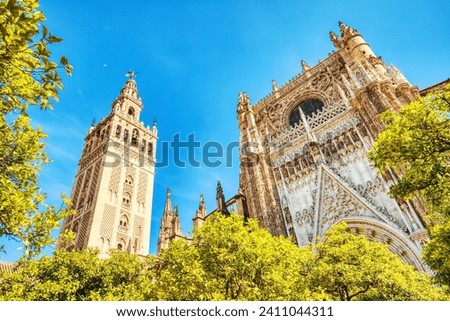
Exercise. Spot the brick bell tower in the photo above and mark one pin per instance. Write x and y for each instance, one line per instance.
(113, 188)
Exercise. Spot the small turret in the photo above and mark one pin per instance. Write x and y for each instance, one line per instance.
(166, 230)
(220, 198)
(176, 222)
(200, 214)
(168, 203)
(353, 42)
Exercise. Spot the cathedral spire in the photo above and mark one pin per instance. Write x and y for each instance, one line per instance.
(168, 204)
(176, 222)
(220, 197)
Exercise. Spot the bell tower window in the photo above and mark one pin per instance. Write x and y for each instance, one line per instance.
(134, 137)
(131, 112)
(150, 149)
(126, 200)
(123, 223)
(129, 181)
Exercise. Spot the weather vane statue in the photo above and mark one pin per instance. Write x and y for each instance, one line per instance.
(131, 74)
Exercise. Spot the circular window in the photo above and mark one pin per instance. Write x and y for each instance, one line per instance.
(294, 118)
(308, 107)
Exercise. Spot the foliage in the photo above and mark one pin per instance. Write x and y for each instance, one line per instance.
(229, 259)
(436, 251)
(350, 267)
(416, 143)
(77, 275)
(27, 77)
(244, 261)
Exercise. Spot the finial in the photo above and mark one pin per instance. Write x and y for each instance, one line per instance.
(168, 190)
(275, 86)
(243, 102)
(131, 75)
(93, 122)
(305, 66)
(154, 122)
(335, 40)
(346, 30)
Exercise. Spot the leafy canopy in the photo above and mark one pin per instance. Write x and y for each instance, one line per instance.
(28, 77)
(350, 267)
(228, 259)
(77, 276)
(416, 143)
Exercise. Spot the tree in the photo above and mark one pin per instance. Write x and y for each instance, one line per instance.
(416, 143)
(28, 77)
(78, 276)
(228, 259)
(350, 267)
(233, 260)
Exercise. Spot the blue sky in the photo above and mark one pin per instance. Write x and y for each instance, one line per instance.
(192, 59)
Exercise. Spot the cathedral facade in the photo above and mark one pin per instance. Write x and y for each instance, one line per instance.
(113, 188)
(303, 164)
(303, 151)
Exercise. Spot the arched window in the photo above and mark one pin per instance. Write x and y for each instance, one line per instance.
(75, 227)
(308, 107)
(123, 223)
(118, 131)
(150, 149)
(80, 205)
(126, 200)
(125, 135)
(121, 245)
(144, 143)
(135, 137)
(131, 112)
(129, 180)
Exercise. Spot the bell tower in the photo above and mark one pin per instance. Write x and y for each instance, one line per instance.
(113, 188)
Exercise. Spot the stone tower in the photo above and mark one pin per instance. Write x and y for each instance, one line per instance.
(113, 188)
(170, 227)
(303, 151)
